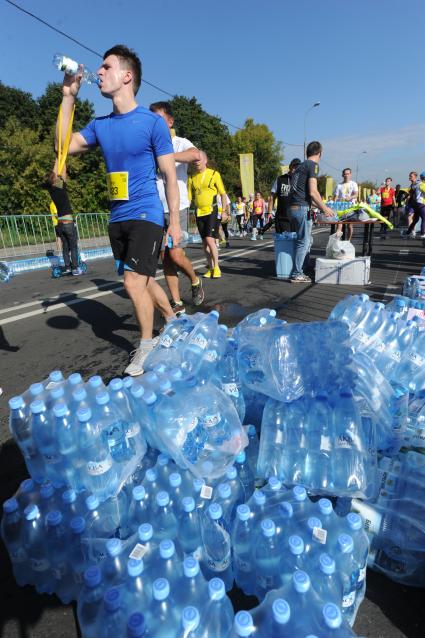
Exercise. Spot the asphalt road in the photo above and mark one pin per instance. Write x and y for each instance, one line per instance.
(86, 324)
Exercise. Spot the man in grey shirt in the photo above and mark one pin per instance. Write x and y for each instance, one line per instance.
(302, 195)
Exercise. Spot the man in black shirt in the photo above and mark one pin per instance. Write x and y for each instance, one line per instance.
(280, 192)
(302, 195)
(66, 229)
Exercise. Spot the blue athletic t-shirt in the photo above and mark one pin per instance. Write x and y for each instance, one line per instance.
(130, 142)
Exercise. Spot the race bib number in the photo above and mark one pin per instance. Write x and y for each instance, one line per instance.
(117, 184)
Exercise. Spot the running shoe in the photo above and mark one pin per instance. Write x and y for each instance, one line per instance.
(77, 271)
(301, 279)
(66, 271)
(138, 356)
(198, 294)
(178, 307)
(216, 274)
(208, 274)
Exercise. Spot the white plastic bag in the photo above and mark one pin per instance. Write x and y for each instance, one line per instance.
(339, 249)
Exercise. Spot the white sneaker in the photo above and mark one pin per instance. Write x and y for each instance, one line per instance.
(138, 357)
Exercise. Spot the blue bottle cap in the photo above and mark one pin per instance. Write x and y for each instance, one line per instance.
(345, 543)
(243, 512)
(145, 532)
(31, 512)
(322, 396)
(151, 475)
(54, 518)
(325, 506)
(163, 459)
(92, 576)
(243, 625)
(84, 414)
(27, 485)
(286, 509)
(231, 473)
(224, 490)
(135, 567)
(241, 457)
(92, 502)
(137, 390)
(112, 599)
(259, 497)
(332, 616)
(274, 483)
(10, 506)
(149, 397)
(313, 522)
(79, 394)
(75, 378)
(216, 589)
(345, 393)
(188, 504)
(301, 581)
(138, 493)
(164, 385)
(281, 611)
(56, 376)
(77, 525)
(136, 625)
(57, 393)
(114, 547)
(128, 382)
(190, 567)
(327, 564)
(115, 384)
(299, 493)
(296, 545)
(190, 618)
(159, 368)
(251, 431)
(215, 512)
(95, 382)
(69, 496)
(175, 374)
(354, 521)
(166, 548)
(46, 491)
(268, 528)
(175, 479)
(36, 388)
(60, 409)
(37, 406)
(214, 313)
(102, 397)
(15, 403)
(160, 589)
(162, 498)
(198, 484)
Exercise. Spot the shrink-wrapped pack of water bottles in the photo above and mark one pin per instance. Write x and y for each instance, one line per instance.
(232, 461)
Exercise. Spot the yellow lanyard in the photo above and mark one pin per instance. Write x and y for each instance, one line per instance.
(63, 152)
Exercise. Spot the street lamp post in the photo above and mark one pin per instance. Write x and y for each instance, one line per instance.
(357, 163)
(305, 122)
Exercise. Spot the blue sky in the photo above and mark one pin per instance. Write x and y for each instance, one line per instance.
(267, 60)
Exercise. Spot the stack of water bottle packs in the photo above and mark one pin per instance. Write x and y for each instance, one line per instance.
(142, 503)
(414, 287)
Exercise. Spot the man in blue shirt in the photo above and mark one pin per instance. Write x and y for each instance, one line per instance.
(134, 142)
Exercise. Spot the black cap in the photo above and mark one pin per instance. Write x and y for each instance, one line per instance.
(295, 162)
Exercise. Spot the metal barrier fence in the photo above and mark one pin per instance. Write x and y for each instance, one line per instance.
(32, 235)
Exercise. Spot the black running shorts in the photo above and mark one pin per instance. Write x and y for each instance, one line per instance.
(136, 245)
(206, 224)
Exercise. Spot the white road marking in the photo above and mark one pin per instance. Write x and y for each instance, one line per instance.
(61, 304)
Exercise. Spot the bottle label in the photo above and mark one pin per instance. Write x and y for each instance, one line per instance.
(19, 555)
(211, 356)
(166, 341)
(199, 340)
(59, 571)
(319, 534)
(183, 336)
(131, 430)
(362, 576)
(211, 420)
(379, 346)
(416, 359)
(348, 600)
(218, 565)
(138, 551)
(344, 441)
(371, 518)
(96, 468)
(325, 443)
(396, 356)
(243, 566)
(206, 491)
(362, 336)
(231, 389)
(418, 439)
(39, 564)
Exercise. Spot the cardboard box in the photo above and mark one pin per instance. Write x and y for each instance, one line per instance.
(350, 272)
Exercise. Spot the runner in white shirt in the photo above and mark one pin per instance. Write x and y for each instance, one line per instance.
(347, 191)
(175, 259)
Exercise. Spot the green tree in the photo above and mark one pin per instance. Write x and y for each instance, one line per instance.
(48, 108)
(268, 155)
(18, 104)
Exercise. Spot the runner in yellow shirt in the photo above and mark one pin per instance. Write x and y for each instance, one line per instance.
(203, 188)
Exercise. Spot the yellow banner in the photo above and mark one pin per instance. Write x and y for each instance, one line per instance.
(247, 173)
(329, 187)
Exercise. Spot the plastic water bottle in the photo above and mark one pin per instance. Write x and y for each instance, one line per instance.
(137, 593)
(66, 441)
(76, 557)
(48, 500)
(229, 377)
(326, 581)
(183, 241)
(175, 490)
(190, 622)
(45, 440)
(135, 444)
(28, 493)
(57, 540)
(219, 609)
(347, 565)
(227, 501)
(253, 448)
(163, 614)
(113, 617)
(267, 559)
(139, 509)
(115, 564)
(89, 601)
(136, 626)
(34, 542)
(168, 564)
(245, 474)
(11, 532)
(318, 443)
(236, 486)
(293, 559)
(189, 530)
(100, 476)
(71, 67)
(354, 526)
(243, 625)
(110, 420)
(216, 546)
(21, 430)
(242, 535)
(192, 587)
(410, 373)
(166, 525)
(145, 534)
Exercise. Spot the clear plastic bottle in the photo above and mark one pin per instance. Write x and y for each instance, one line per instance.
(189, 531)
(71, 67)
(267, 559)
(216, 558)
(21, 430)
(11, 532)
(89, 601)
